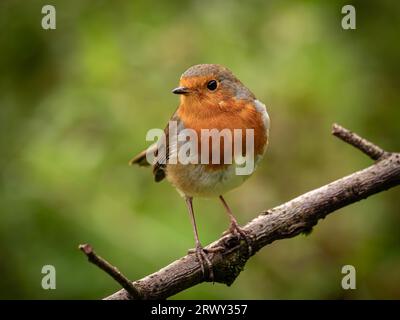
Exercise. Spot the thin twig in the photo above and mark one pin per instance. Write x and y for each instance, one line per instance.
(367, 147)
(111, 270)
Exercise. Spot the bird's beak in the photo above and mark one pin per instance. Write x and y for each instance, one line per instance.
(181, 90)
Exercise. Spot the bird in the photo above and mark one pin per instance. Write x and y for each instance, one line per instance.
(211, 98)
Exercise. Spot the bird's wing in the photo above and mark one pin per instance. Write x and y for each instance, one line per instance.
(162, 151)
(165, 149)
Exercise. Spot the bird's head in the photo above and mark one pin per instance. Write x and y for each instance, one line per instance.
(210, 86)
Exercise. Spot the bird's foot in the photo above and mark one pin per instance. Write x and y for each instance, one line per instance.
(202, 257)
(238, 231)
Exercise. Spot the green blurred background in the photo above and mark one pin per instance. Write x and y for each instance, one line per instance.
(76, 103)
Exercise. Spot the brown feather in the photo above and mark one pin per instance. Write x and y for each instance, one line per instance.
(140, 159)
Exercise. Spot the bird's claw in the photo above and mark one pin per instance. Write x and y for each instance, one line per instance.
(235, 229)
(201, 254)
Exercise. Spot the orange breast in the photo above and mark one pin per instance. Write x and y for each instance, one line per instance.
(231, 114)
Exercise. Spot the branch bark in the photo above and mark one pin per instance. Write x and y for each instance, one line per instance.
(284, 221)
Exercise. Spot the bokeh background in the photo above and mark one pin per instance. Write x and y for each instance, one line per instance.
(76, 103)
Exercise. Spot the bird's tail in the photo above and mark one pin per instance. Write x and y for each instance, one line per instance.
(141, 158)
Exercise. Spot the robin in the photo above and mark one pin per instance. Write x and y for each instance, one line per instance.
(211, 98)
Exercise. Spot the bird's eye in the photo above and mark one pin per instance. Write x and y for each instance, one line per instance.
(212, 85)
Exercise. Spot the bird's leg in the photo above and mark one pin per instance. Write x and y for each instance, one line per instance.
(234, 227)
(200, 252)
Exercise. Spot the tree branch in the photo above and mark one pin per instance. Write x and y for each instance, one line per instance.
(284, 221)
(370, 149)
(111, 270)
